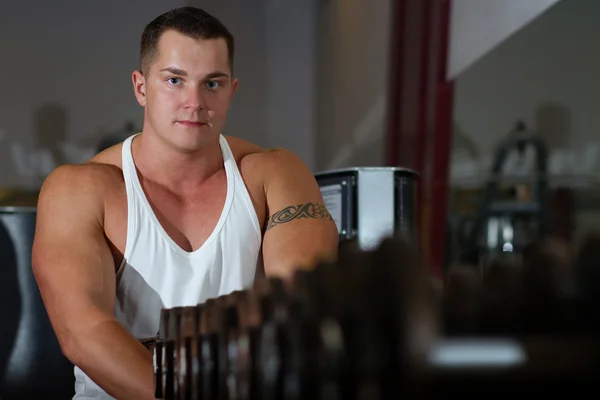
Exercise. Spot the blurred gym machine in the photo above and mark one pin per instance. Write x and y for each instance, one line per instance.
(32, 365)
(508, 224)
(369, 204)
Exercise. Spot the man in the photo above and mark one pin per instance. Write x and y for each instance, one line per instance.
(170, 217)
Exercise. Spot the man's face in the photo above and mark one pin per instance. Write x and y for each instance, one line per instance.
(186, 91)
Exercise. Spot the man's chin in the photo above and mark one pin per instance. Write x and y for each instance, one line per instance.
(193, 141)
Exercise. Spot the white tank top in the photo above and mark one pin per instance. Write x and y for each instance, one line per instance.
(156, 273)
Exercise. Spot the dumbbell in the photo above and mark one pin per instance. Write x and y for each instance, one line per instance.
(544, 301)
(500, 297)
(332, 334)
(174, 352)
(206, 350)
(586, 271)
(367, 327)
(186, 351)
(374, 309)
(511, 297)
(164, 352)
(462, 301)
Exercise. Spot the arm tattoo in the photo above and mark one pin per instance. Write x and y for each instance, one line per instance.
(308, 210)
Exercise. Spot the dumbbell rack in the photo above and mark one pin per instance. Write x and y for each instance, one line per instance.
(371, 327)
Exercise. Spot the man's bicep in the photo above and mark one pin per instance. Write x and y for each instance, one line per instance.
(71, 260)
(299, 230)
(73, 265)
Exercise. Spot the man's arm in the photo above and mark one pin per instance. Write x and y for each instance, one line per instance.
(75, 272)
(299, 230)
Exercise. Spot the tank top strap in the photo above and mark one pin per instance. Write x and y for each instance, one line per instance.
(127, 158)
(134, 210)
(241, 190)
(226, 150)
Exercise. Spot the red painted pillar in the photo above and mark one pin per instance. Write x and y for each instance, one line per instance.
(420, 113)
(442, 144)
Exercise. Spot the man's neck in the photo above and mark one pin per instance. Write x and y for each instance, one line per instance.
(174, 169)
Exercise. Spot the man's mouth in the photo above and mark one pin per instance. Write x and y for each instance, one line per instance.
(192, 124)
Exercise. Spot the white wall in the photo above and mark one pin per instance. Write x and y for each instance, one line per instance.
(67, 68)
(291, 42)
(478, 26)
(67, 73)
(546, 74)
(352, 82)
(275, 62)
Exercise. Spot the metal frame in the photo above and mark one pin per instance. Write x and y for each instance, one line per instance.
(375, 207)
(17, 209)
(347, 181)
(371, 198)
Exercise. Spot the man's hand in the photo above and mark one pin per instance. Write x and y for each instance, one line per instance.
(299, 231)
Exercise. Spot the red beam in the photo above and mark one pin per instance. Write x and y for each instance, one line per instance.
(424, 99)
(406, 147)
(442, 145)
(406, 74)
(394, 142)
(420, 112)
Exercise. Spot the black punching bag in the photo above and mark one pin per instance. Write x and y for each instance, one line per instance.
(31, 363)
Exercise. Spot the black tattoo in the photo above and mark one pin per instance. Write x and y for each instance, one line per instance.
(308, 210)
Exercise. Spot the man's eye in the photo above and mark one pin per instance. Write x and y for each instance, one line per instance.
(174, 81)
(213, 85)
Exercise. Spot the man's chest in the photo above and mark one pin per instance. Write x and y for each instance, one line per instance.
(188, 221)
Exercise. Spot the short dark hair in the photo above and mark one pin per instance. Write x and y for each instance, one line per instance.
(190, 21)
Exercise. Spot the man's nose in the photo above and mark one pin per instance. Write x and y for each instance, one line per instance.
(194, 99)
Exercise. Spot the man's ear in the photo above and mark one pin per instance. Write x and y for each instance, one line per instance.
(139, 87)
(234, 85)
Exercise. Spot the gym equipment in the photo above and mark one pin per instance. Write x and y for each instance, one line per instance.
(371, 326)
(31, 362)
(371, 203)
(509, 226)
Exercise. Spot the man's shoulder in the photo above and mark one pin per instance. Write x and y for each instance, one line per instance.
(242, 148)
(267, 160)
(91, 173)
(77, 183)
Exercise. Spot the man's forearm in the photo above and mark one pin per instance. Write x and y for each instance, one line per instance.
(116, 362)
